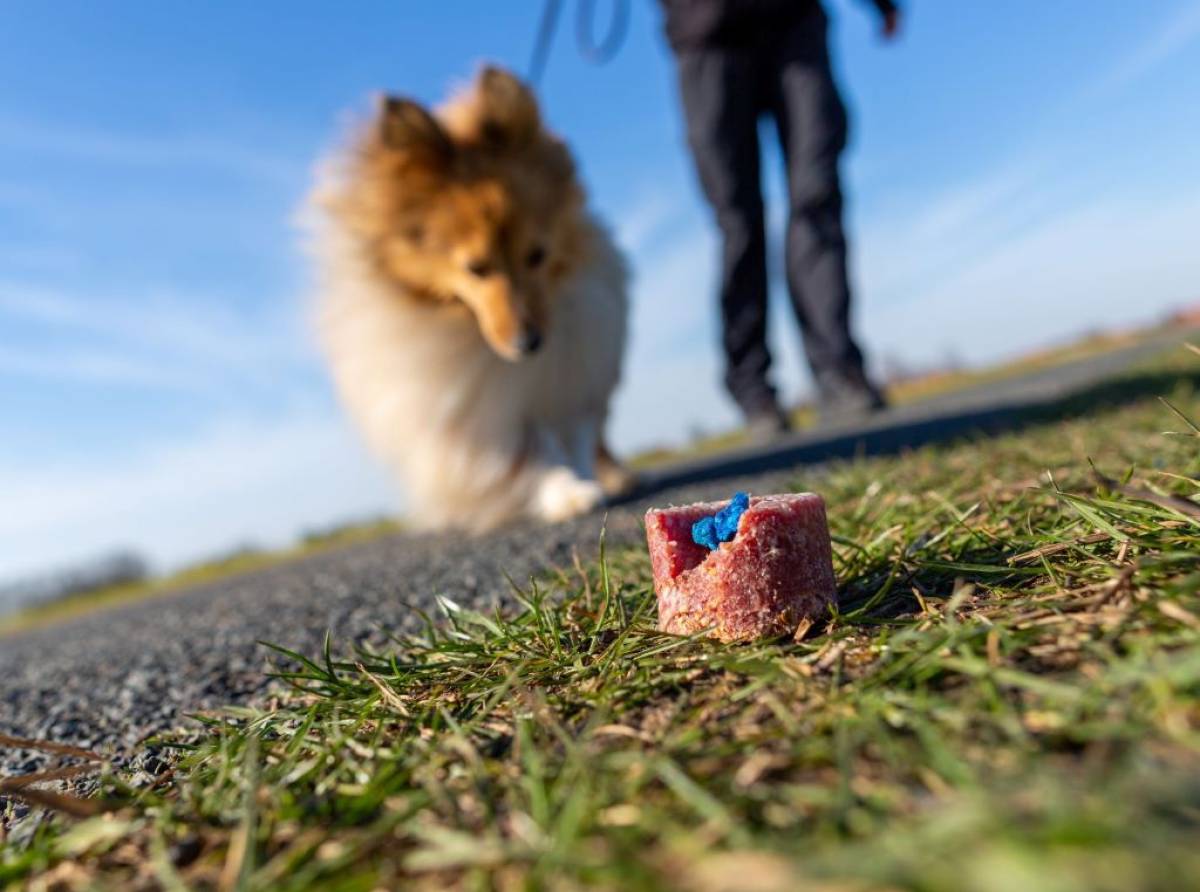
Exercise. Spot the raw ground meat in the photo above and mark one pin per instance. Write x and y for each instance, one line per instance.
(775, 573)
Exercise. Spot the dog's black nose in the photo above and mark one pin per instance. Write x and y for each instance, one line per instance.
(529, 341)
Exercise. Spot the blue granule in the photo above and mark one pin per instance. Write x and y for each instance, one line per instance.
(721, 527)
(704, 532)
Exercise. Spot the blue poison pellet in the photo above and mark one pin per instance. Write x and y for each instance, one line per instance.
(704, 532)
(721, 527)
(728, 517)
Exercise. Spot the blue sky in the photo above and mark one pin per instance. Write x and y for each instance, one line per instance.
(1018, 173)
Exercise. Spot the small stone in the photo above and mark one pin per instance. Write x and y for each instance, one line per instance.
(186, 850)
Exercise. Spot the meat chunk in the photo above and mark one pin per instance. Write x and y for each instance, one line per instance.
(776, 571)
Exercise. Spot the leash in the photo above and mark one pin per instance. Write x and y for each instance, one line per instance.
(597, 50)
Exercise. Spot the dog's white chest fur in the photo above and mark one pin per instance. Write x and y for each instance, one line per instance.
(477, 439)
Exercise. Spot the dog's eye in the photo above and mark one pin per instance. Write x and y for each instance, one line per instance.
(479, 268)
(536, 256)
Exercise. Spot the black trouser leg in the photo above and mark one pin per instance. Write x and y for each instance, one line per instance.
(812, 130)
(719, 88)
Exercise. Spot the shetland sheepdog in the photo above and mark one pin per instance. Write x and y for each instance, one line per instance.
(472, 309)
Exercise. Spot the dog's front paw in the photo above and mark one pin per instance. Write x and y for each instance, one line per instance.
(561, 495)
(616, 479)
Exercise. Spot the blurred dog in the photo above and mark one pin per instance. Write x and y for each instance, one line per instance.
(472, 310)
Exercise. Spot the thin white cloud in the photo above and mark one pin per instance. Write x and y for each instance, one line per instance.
(149, 150)
(922, 236)
(170, 341)
(965, 204)
(95, 367)
(194, 324)
(1083, 268)
(41, 258)
(1178, 31)
(645, 218)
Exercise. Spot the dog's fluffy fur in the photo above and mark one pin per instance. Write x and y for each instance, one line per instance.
(472, 310)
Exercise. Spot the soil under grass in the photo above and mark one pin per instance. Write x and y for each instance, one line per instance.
(1007, 698)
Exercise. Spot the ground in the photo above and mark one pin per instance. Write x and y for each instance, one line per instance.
(1007, 697)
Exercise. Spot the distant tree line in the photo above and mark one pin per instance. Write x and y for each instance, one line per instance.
(124, 567)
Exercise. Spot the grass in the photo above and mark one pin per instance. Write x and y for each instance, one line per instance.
(1007, 698)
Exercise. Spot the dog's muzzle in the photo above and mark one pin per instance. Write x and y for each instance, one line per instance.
(529, 341)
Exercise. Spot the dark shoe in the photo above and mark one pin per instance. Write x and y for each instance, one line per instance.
(845, 401)
(767, 424)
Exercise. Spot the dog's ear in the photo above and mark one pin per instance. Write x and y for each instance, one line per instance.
(508, 112)
(404, 126)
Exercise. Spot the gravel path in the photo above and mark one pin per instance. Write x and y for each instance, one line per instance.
(108, 680)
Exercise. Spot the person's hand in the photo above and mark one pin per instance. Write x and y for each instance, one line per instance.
(891, 24)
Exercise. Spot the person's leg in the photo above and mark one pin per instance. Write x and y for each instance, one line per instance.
(812, 130)
(719, 90)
